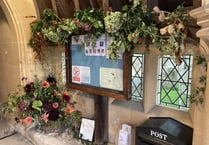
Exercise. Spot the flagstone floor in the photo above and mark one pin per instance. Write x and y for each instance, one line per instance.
(16, 139)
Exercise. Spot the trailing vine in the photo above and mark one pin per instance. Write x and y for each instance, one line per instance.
(198, 93)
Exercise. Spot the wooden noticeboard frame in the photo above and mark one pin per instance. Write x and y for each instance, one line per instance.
(122, 94)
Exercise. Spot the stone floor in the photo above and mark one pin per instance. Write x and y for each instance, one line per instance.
(11, 134)
(38, 137)
(16, 139)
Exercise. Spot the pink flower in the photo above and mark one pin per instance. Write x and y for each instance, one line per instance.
(55, 105)
(45, 117)
(45, 84)
(27, 120)
(110, 9)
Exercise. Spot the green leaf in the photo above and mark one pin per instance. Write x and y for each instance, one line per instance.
(37, 104)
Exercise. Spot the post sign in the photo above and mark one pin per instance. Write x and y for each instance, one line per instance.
(163, 131)
(90, 69)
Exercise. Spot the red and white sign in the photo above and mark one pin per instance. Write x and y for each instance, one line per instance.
(76, 74)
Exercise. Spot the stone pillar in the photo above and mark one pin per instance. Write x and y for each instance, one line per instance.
(205, 133)
(201, 114)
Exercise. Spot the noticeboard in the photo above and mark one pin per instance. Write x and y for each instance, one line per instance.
(89, 69)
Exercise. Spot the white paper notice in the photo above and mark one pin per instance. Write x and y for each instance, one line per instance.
(123, 138)
(77, 39)
(111, 78)
(85, 75)
(126, 128)
(99, 48)
(81, 74)
(87, 129)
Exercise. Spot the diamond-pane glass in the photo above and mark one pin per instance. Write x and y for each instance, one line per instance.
(137, 76)
(174, 82)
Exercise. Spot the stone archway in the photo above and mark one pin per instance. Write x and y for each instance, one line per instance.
(16, 58)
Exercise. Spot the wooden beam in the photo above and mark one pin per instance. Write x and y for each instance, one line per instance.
(41, 5)
(64, 8)
(76, 4)
(94, 3)
(105, 5)
(54, 6)
(84, 4)
(101, 118)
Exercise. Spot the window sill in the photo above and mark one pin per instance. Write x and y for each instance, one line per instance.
(179, 115)
(130, 104)
(156, 111)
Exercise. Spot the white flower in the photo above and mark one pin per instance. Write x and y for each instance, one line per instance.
(163, 31)
(170, 29)
(180, 26)
(113, 22)
(161, 16)
(156, 9)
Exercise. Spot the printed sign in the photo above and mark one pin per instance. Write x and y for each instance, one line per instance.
(81, 74)
(76, 74)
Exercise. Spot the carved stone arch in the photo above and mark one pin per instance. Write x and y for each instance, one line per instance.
(14, 42)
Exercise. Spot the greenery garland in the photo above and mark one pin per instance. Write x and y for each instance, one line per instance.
(134, 25)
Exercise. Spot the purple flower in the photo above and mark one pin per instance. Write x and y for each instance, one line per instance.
(47, 107)
(22, 106)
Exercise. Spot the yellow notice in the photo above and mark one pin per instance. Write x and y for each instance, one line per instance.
(111, 78)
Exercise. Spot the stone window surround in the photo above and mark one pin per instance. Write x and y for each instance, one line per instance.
(148, 104)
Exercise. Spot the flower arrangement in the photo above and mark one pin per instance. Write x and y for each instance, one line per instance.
(44, 104)
(139, 25)
(133, 25)
(52, 30)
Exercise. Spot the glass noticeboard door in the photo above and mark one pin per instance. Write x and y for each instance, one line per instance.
(89, 69)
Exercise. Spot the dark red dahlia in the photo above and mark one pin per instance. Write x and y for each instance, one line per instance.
(66, 98)
(51, 79)
(29, 88)
(53, 115)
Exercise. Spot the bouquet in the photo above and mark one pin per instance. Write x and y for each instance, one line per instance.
(43, 103)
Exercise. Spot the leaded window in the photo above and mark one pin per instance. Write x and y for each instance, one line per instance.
(174, 82)
(137, 76)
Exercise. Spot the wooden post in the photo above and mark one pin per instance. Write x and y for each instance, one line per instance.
(101, 118)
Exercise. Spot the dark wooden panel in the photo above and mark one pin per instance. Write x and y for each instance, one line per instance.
(96, 3)
(84, 4)
(118, 4)
(170, 5)
(65, 8)
(41, 5)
